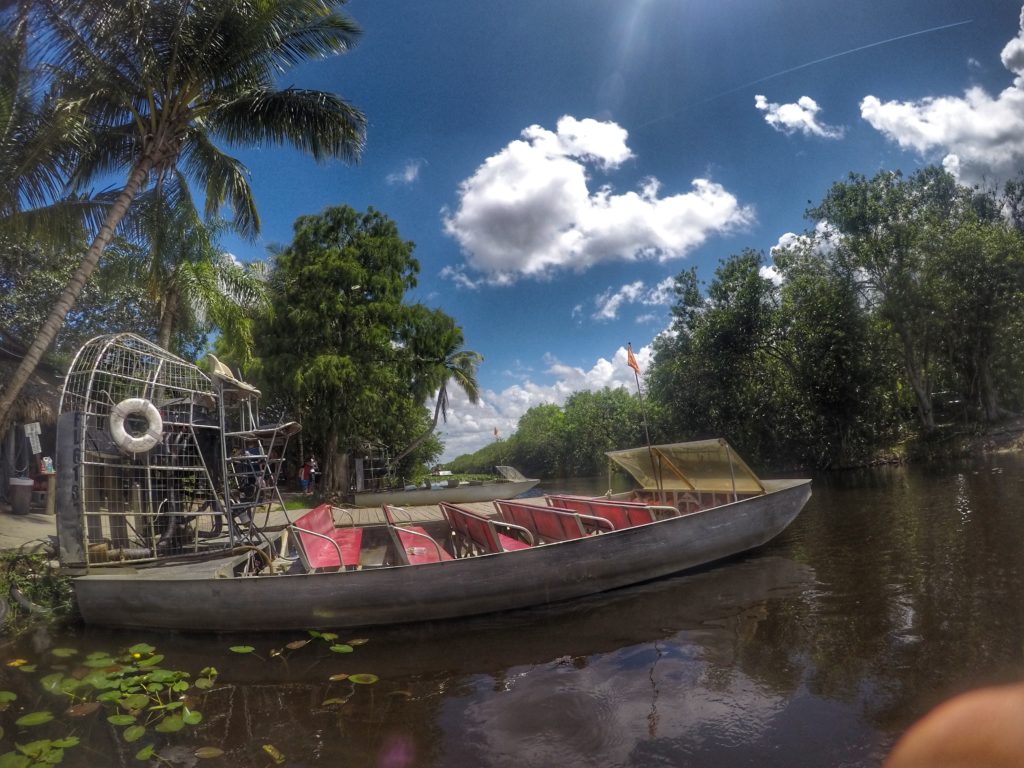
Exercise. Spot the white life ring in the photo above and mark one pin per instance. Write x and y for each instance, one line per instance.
(136, 406)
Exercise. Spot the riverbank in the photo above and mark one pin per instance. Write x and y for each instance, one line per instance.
(956, 441)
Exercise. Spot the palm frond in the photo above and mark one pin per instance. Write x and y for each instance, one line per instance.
(320, 124)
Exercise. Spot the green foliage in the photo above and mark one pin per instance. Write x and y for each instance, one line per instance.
(911, 283)
(39, 584)
(341, 349)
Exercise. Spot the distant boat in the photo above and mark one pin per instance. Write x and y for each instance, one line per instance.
(511, 484)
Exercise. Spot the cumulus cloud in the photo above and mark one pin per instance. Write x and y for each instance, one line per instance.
(823, 240)
(609, 302)
(408, 175)
(982, 137)
(470, 427)
(801, 117)
(529, 210)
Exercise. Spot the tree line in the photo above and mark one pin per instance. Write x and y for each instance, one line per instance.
(899, 313)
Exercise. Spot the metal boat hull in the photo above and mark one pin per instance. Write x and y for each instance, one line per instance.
(175, 598)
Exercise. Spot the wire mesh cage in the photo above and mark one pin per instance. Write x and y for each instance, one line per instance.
(157, 458)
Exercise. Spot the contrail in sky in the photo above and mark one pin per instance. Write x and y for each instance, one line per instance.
(811, 64)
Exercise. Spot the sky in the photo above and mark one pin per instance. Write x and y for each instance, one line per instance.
(558, 162)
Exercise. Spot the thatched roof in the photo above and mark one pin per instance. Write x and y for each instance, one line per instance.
(39, 398)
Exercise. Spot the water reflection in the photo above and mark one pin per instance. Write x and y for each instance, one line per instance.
(894, 589)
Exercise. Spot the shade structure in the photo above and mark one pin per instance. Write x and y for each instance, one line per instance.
(703, 466)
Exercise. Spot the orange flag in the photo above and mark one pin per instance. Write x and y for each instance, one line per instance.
(630, 360)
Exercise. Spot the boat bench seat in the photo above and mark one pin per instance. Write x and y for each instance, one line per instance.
(549, 524)
(475, 529)
(413, 545)
(621, 514)
(322, 545)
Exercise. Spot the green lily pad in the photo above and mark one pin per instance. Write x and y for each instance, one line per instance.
(134, 733)
(141, 648)
(145, 753)
(7, 696)
(204, 753)
(241, 649)
(133, 701)
(121, 719)
(358, 641)
(63, 653)
(192, 717)
(275, 754)
(170, 724)
(342, 648)
(364, 678)
(34, 718)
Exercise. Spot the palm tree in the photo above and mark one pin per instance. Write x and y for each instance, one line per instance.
(195, 284)
(37, 140)
(455, 365)
(159, 81)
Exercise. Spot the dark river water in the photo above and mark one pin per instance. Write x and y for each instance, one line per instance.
(895, 589)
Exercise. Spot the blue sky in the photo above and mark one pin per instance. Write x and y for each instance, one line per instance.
(557, 162)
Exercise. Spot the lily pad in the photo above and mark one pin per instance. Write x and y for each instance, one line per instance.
(7, 696)
(141, 648)
(63, 653)
(145, 753)
(121, 719)
(191, 717)
(134, 701)
(339, 676)
(204, 753)
(34, 718)
(134, 733)
(358, 641)
(170, 724)
(241, 649)
(82, 709)
(342, 648)
(294, 645)
(364, 678)
(275, 754)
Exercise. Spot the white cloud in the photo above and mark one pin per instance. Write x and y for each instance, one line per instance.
(529, 211)
(408, 175)
(470, 427)
(609, 302)
(770, 272)
(823, 240)
(982, 137)
(801, 117)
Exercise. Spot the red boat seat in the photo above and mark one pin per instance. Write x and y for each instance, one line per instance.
(482, 532)
(321, 545)
(413, 545)
(551, 523)
(622, 514)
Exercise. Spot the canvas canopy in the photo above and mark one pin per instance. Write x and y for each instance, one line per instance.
(705, 466)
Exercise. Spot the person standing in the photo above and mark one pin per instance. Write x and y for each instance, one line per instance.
(306, 476)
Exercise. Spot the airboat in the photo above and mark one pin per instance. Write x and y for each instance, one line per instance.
(170, 517)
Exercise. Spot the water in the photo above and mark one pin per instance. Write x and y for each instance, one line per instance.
(893, 590)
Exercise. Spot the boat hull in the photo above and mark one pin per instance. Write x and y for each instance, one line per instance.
(443, 590)
(461, 494)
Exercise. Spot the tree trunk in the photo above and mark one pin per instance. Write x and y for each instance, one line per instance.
(922, 389)
(419, 440)
(168, 314)
(48, 332)
(989, 397)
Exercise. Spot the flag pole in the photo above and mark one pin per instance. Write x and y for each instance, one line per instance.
(632, 363)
